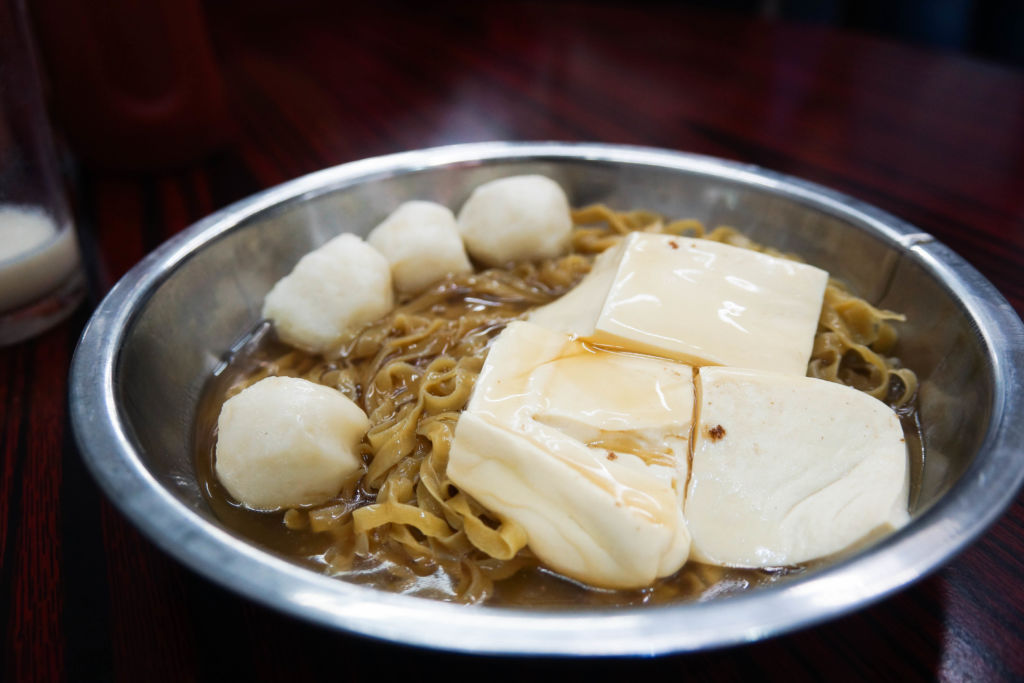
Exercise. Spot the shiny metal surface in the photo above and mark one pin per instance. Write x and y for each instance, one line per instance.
(153, 342)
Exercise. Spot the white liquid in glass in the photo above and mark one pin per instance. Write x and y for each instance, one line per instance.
(35, 255)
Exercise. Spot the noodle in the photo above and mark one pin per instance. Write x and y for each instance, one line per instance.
(413, 371)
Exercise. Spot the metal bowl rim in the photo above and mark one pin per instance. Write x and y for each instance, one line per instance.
(946, 528)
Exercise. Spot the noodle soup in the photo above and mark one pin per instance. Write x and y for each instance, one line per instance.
(400, 524)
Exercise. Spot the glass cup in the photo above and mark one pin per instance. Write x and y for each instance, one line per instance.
(41, 277)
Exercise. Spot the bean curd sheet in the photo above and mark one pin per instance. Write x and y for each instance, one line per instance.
(400, 525)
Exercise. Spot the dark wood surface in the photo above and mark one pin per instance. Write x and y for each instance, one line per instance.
(936, 139)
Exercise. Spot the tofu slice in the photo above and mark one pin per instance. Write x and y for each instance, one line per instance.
(519, 218)
(578, 311)
(697, 301)
(286, 442)
(586, 449)
(789, 469)
(421, 241)
(331, 291)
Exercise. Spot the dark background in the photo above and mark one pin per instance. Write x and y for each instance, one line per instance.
(917, 111)
(992, 29)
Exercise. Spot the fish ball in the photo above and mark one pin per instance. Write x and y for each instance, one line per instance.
(516, 219)
(332, 290)
(421, 242)
(285, 442)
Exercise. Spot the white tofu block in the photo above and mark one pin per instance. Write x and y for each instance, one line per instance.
(342, 285)
(577, 311)
(587, 450)
(698, 301)
(286, 442)
(421, 241)
(520, 218)
(788, 469)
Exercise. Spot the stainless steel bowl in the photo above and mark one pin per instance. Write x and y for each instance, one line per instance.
(160, 333)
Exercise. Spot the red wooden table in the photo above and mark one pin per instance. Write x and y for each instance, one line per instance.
(936, 139)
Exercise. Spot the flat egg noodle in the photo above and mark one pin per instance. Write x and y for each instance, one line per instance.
(413, 372)
(852, 338)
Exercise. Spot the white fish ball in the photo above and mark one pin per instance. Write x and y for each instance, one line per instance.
(332, 290)
(515, 219)
(285, 442)
(421, 241)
